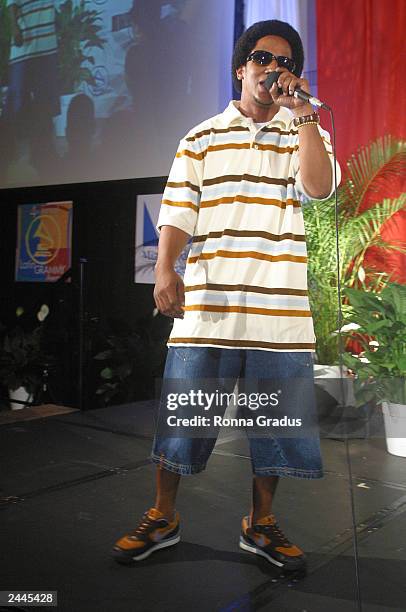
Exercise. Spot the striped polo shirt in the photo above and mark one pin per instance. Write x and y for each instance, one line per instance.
(36, 19)
(235, 187)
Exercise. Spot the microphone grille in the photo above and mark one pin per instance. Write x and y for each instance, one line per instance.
(271, 79)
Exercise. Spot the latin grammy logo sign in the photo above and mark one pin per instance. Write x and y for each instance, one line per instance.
(44, 241)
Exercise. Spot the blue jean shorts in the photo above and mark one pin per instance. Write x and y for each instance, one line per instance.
(271, 455)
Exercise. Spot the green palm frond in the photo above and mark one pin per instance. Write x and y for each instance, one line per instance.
(362, 232)
(356, 234)
(371, 169)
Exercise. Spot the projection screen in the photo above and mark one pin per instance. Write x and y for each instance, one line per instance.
(104, 89)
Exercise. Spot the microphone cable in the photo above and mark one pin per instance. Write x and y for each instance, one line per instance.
(341, 365)
(270, 80)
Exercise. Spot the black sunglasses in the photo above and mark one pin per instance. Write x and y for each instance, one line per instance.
(264, 58)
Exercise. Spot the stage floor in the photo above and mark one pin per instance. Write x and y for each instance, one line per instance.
(72, 484)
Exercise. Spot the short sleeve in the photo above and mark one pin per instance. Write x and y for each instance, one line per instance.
(296, 167)
(181, 198)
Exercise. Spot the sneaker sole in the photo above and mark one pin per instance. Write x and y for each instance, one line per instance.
(262, 553)
(120, 558)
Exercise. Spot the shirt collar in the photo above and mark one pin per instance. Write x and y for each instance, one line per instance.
(233, 116)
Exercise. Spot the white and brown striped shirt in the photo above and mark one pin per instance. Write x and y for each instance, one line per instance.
(234, 186)
(36, 19)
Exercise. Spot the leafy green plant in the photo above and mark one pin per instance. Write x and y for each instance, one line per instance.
(21, 353)
(132, 360)
(371, 171)
(379, 325)
(120, 359)
(356, 235)
(78, 30)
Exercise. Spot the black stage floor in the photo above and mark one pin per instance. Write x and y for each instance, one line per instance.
(71, 485)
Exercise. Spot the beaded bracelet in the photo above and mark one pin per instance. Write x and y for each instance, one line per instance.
(308, 123)
(313, 119)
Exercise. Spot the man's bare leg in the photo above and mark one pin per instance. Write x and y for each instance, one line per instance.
(167, 484)
(263, 493)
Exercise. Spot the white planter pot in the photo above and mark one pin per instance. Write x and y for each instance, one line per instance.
(328, 378)
(394, 417)
(21, 394)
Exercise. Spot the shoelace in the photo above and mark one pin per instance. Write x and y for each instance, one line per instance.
(276, 533)
(143, 527)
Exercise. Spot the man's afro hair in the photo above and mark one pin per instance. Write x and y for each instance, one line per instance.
(248, 40)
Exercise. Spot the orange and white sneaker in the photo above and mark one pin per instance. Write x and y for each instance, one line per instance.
(153, 532)
(265, 538)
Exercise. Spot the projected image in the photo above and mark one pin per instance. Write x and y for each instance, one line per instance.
(100, 89)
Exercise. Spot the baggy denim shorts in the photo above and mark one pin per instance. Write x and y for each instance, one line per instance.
(296, 456)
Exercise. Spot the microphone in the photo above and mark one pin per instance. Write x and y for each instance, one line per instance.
(298, 93)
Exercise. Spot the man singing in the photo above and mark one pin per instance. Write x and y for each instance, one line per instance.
(242, 311)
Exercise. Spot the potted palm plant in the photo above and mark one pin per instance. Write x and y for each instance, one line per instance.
(22, 357)
(78, 30)
(379, 324)
(374, 170)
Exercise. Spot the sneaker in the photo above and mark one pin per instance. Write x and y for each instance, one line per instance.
(266, 539)
(153, 532)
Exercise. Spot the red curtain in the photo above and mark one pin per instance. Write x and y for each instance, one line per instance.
(361, 57)
(361, 60)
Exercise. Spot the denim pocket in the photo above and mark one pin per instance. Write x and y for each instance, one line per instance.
(192, 362)
(302, 359)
